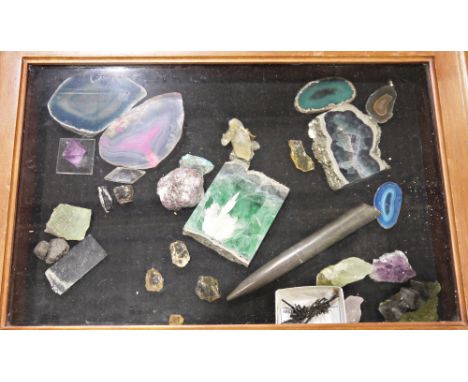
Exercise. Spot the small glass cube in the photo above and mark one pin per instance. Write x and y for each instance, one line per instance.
(75, 156)
(306, 296)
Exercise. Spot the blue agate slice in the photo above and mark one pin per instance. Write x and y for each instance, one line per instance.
(388, 200)
(87, 104)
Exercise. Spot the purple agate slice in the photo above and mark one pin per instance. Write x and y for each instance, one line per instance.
(392, 267)
(74, 152)
(145, 135)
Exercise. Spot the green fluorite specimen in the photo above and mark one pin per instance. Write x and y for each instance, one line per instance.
(324, 94)
(428, 309)
(345, 272)
(69, 222)
(236, 212)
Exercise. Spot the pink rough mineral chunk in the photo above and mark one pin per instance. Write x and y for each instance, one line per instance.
(145, 135)
(181, 188)
(392, 267)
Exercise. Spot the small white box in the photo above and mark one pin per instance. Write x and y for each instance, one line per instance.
(307, 295)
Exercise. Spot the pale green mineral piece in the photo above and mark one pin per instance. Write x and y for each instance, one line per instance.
(345, 272)
(198, 163)
(69, 222)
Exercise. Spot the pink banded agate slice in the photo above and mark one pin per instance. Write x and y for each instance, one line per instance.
(145, 135)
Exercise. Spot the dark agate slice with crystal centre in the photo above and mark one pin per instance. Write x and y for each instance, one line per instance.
(346, 144)
(87, 104)
(324, 94)
(380, 104)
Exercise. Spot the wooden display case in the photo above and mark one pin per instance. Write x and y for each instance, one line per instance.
(447, 82)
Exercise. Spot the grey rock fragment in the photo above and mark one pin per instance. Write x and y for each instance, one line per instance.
(57, 249)
(124, 194)
(41, 249)
(80, 260)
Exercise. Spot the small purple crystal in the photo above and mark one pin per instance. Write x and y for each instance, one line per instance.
(392, 267)
(74, 152)
(181, 188)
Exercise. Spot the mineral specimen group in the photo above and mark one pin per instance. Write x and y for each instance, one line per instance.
(207, 288)
(105, 198)
(124, 175)
(236, 212)
(417, 303)
(124, 194)
(345, 272)
(179, 254)
(145, 135)
(392, 267)
(241, 139)
(87, 104)
(346, 143)
(197, 163)
(299, 157)
(176, 319)
(388, 200)
(324, 94)
(154, 281)
(380, 104)
(181, 188)
(69, 222)
(79, 261)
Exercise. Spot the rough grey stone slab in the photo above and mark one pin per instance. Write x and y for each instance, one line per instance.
(80, 260)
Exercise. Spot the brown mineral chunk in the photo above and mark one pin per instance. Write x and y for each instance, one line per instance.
(154, 281)
(124, 194)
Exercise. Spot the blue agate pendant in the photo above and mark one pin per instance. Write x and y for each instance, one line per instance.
(388, 200)
(87, 104)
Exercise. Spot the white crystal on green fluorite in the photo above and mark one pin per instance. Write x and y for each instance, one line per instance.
(345, 272)
(236, 212)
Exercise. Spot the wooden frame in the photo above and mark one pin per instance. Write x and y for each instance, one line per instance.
(449, 81)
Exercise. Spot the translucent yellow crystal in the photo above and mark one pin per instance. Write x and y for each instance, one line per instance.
(154, 281)
(242, 140)
(300, 158)
(176, 319)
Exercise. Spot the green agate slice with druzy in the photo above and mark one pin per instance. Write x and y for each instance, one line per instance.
(324, 94)
(69, 222)
(345, 272)
(236, 212)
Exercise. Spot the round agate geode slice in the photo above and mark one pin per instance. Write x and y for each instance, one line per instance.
(145, 135)
(87, 104)
(324, 94)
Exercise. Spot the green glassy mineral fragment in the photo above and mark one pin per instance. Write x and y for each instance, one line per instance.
(301, 160)
(197, 163)
(69, 222)
(345, 272)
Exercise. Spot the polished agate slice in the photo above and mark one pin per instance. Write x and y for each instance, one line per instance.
(324, 94)
(380, 104)
(346, 143)
(145, 135)
(87, 104)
